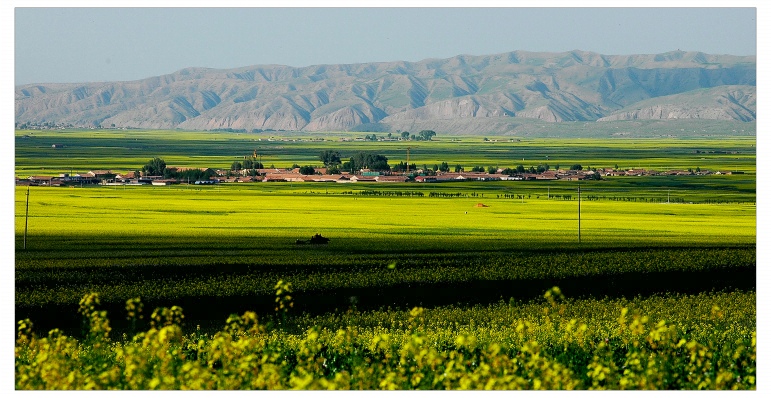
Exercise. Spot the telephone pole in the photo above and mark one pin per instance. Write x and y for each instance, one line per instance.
(579, 214)
(408, 161)
(26, 217)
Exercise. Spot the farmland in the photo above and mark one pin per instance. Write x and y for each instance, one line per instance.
(127, 150)
(402, 261)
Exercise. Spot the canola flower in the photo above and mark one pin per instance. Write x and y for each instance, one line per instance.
(39, 285)
(545, 348)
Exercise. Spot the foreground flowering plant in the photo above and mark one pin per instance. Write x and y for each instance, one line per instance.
(548, 351)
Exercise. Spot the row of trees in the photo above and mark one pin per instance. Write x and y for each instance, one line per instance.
(361, 160)
(332, 160)
(366, 160)
(157, 167)
(423, 135)
(402, 167)
(247, 164)
(334, 164)
(532, 170)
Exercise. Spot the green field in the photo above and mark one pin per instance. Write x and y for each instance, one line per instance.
(123, 151)
(271, 210)
(675, 249)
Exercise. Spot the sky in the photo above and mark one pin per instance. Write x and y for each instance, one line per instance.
(73, 45)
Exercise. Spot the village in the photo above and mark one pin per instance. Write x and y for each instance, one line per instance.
(319, 175)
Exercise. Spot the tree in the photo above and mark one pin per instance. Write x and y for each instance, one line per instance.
(330, 157)
(477, 169)
(348, 166)
(444, 167)
(427, 134)
(458, 168)
(170, 173)
(154, 167)
(405, 135)
(374, 161)
(307, 170)
(195, 175)
(576, 167)
(402, 166)
(236, 166)
(367, 160)
(520, 169)
(251, 163)
(492, 170)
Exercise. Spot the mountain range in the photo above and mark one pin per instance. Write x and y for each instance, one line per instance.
(459, 95)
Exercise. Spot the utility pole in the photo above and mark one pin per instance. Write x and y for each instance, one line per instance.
(579, 214)
(262, 166)
(26, 217)
(408, 161)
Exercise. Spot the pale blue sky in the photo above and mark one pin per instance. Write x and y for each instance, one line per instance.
(104, 44)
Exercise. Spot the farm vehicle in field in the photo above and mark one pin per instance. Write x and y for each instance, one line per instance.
(314, 240)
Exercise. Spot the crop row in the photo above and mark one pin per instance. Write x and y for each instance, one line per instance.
(317, 271)
(325, 281)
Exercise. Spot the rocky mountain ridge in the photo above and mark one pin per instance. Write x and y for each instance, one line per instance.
(463, 94)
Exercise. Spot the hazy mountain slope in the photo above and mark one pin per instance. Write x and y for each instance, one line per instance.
(468, 91)
(718, 103)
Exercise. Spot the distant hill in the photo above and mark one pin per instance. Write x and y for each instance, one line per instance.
(717, 103)
(458, 95)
